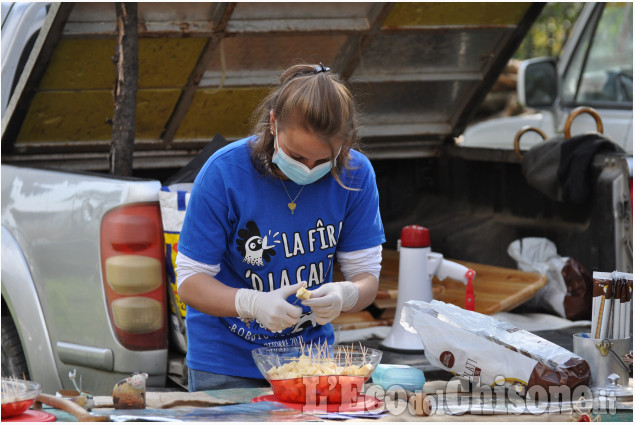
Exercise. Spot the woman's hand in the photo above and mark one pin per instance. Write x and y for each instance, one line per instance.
(271, 309)
(330, 299)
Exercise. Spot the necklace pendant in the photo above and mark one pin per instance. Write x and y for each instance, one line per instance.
(291, 206)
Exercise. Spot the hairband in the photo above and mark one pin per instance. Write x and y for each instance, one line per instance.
(316, 69)
(321, 68)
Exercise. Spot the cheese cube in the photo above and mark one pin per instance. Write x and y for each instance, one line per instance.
(303, 294)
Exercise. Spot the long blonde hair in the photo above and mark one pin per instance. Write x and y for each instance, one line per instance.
(315, 100)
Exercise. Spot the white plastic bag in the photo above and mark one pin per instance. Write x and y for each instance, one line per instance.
(539, 255)
(485, 350)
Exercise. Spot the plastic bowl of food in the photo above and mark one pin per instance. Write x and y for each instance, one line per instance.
(313, 375)
(17, 396)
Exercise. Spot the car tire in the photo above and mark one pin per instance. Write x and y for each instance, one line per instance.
(13, 360)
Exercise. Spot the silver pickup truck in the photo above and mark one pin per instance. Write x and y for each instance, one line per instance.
(74, 235)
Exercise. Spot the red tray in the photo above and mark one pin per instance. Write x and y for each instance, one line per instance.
(32, 416)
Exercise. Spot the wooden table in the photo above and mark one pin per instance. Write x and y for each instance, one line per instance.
(495, 289)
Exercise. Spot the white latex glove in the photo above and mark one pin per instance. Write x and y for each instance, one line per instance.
(271, 309)
(330, 299)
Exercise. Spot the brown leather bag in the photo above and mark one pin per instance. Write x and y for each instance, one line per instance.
(579, 298)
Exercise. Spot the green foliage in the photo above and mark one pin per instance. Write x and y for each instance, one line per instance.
(550, 31)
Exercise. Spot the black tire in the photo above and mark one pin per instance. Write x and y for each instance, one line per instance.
(13, 360)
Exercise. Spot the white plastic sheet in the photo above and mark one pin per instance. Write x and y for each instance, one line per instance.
(539, 255)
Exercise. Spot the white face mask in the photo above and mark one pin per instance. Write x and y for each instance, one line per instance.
(297, 171)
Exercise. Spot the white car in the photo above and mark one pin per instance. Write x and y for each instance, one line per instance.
(23, 21)
(595, 70)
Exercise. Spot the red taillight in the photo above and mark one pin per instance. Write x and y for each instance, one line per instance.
(134, 275)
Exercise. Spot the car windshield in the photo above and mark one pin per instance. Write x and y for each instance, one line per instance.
(603, 71)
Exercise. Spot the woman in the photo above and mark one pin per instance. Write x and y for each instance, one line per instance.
(269, 214)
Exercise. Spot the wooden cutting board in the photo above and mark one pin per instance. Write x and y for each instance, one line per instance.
(495, 289)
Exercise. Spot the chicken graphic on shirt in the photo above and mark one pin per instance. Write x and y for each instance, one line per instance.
(253, 247)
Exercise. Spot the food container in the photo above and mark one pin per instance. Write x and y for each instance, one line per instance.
(313, 375)
(18, 396)
(392, 376)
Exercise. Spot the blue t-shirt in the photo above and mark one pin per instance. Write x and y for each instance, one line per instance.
(239, 218)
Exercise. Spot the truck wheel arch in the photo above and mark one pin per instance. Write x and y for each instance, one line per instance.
(18, 295)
